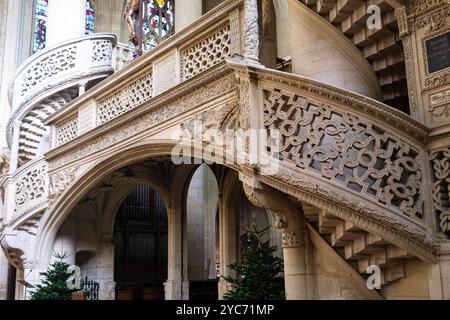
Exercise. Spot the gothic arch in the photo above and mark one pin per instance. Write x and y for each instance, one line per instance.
(55, 216)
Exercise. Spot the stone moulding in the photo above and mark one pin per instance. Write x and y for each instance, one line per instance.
(414, 239)
(405, 126)
(215, 83)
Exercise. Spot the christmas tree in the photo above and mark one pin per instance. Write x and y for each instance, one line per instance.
(257, 274)
(54, 283)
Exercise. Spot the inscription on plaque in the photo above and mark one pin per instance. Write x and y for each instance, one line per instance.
(438, 52)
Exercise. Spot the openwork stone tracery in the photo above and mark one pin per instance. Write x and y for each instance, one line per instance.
(441, 187)
(343, 148)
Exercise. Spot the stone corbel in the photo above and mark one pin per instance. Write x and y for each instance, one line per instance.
(289, 219)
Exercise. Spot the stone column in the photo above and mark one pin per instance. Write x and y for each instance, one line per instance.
(14, 160)
(66, 20)
(227, 244)
(251, 30)
(297, 249)
(186, 12)
(4, 270)
(173, 287)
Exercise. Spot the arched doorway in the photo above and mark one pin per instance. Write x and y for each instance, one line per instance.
(140, 240)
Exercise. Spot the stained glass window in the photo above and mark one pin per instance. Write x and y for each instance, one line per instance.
(40, 25)
(158, 21)
(90, 18)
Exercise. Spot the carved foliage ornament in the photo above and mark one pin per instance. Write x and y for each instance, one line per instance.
(441, 187)
(347, 150)
(59, 183)
(251, 30)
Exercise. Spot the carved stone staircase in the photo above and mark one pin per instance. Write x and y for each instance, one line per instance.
(32, 128)
(382, 48)
(358, 247)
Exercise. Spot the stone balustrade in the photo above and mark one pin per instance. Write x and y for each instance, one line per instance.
(61, 65)
(184, 57)
(27, 191)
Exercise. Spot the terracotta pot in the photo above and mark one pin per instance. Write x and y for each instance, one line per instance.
(78, 296)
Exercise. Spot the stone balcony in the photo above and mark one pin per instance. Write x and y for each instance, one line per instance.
(80, 59)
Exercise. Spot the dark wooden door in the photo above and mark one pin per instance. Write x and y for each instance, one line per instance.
(140, 238)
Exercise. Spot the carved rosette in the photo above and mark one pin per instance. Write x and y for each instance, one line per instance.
(251, 30)
(441, 187)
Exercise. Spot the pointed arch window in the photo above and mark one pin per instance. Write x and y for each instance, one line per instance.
(159, 19)
(40, 24)
(90, 18)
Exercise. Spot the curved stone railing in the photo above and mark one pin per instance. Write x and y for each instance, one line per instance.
(73, 59)
(341, 142)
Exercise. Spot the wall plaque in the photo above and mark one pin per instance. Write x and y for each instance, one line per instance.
(438, 52)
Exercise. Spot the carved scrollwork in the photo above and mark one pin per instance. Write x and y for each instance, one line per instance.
(31, 188)
(441, 187)
(48, 67)
(346, 149)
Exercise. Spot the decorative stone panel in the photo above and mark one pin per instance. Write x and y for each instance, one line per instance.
(165, 75)
(346, 150)
(102, 51)
(31, 188)
(126, 99)
(441, 187)
(67, 131)
(206, 53)
(56, 63)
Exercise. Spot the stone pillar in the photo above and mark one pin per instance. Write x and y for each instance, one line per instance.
(4, 271)
(14, 160)
(173, 287)
(227, 244)
(297, 248)
(66, 20)
(105, 271)
(15, 46)
(268, 34)
(65, 242)
(187, 12)
(297, 257)
(251, 30)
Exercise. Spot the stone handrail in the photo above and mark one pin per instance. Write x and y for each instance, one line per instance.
(58, 64)
(189, 53)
